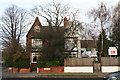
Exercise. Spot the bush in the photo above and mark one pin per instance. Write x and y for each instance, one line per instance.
(21, 62)
(53, 63)
(41, 63)
(48, 63)
(8, 61)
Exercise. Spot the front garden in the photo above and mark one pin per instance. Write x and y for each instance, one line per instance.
(22, 64)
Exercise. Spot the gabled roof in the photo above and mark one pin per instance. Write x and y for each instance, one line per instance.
(36, 23)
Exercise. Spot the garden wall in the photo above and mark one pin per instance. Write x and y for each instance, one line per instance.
(78, 65)
(107, 69)
(51, 69)
(85, 69)
(110, 64)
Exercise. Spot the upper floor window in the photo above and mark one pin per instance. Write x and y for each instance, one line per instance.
(36, 43)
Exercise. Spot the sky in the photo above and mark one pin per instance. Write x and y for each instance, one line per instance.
(82, 5)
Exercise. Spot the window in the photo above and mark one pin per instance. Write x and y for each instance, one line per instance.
(36, 43)
(36, 28)
(73, 54)
(34, 57)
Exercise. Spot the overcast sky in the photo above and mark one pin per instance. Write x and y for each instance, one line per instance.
(83, 5)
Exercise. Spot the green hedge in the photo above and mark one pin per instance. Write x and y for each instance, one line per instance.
(21, 62)
(45, 63)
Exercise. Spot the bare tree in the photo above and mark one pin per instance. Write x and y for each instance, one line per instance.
(53, 13)
(101, 16)
(74, 29)
(13, 24)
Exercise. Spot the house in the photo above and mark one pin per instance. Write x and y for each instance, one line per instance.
(33, 42)
(72, 44)
(88, 48)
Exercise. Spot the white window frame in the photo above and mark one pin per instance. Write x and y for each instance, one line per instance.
(33, 55)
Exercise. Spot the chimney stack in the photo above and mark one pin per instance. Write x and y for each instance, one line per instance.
(65, 21)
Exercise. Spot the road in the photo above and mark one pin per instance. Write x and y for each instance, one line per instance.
(52, 79)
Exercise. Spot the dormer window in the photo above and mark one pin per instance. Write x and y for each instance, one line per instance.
(37, 28)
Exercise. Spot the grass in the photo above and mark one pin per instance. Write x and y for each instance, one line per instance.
(74, 75)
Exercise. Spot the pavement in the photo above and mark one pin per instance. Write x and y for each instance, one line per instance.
(6, 74)
(52, 79)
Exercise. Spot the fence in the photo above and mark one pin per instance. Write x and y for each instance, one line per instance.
(105, 61)
(110, 61)
(78, 62)
(108, 64)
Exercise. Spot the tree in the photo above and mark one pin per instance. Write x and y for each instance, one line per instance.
(13, 24)
(21, 62)
(53, 13)
(73, 34)
(101, 16)
(107, 44)
(116, 26)
(53, 44)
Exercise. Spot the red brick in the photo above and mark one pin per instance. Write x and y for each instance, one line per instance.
(24, 70)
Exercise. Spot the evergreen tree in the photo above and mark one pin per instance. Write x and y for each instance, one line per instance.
(53, 46)
(106, 45)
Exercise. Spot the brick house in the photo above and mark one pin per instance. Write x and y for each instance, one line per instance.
(32, 43)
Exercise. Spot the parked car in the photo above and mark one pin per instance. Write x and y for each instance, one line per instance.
(113, 76)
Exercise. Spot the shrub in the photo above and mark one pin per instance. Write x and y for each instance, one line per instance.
(48, 63)
(8, 61)
(41, 63)
(21, 62)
